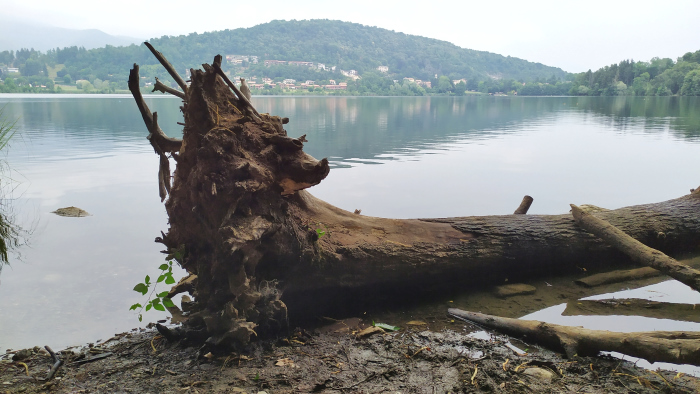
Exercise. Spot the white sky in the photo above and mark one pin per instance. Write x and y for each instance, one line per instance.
(573, 35)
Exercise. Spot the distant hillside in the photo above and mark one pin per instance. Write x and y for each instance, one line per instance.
(16, 35)
(351, 46)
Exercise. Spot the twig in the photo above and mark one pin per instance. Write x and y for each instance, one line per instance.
(57, 362)
(161, 87)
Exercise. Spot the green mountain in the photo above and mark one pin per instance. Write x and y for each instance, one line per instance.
(347, 46)
(351, 46)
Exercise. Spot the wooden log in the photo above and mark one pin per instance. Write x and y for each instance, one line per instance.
(664, 346)
(633, 307)
(637, 251)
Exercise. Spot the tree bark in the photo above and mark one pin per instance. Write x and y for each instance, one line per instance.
(257, 242)
(663, 346)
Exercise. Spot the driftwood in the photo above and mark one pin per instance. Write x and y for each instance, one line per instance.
(617, 276)
(634, 307)
(654, 346)
(256, 243)
(636, 250)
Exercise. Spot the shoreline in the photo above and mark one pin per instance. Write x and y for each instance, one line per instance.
(332, 359)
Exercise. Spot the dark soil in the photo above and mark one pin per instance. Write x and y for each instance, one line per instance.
(333, 359)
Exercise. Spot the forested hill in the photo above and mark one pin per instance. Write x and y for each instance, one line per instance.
(346, 50)
(351, 46)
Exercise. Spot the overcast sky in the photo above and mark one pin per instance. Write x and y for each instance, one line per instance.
(573, 35)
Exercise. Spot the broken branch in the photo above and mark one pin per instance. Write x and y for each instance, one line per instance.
(636, 250)
(156, 136)
(161, 87)
(524, 206)
(233, 87)
(168, 67)
(665, 346)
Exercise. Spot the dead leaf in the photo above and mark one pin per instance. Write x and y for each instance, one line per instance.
(285, 362)
(369, 331)
(416, 323)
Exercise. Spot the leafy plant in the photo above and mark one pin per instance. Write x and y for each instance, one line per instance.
(159, 301)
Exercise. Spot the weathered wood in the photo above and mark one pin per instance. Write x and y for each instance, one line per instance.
(636, 250)
(633, 307)
(242, 97)
(617, 276)
(524, 206)
(654, 346)
(161, 87)
(168, 67)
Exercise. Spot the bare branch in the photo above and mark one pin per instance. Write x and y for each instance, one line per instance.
(161, 143)
(161, 87)
(168, 67)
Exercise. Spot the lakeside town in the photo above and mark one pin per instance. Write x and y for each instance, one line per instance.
(290, 84)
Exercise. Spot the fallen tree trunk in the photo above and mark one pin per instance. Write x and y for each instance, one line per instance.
(637, 251)
(257, 242)
(633, 307)
(654, 346)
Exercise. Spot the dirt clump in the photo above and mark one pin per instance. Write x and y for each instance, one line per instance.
(331, 360)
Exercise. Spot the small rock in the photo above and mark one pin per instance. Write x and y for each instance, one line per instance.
(73, 212)
(514, 289)
(22, 354)
(539, 373)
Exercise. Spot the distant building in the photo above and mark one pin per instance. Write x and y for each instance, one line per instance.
(383, 69)
(12, 70)
(289, 81)
(307, 64)
(321, 66)
(274, 62)
(332, 82)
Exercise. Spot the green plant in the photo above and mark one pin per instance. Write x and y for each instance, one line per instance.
(161, 300)
(321, 231)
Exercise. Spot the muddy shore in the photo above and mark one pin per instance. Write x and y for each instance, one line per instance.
(333, 359)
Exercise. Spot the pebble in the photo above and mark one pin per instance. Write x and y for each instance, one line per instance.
(539, 373)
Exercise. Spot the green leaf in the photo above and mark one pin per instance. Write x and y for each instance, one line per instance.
(320, 232)
(148, 307)
(156, 302)
(163, 267)
(168, 302)
(163, 294)
(386, 326)
(141, 288)
(148, 280)
(140, 317)
(133, 307)
(169, 279)
(159, 307)
(160, 278)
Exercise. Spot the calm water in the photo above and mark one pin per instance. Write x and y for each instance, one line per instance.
(392, 157)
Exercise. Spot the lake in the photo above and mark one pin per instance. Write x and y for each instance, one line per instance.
(395, 157)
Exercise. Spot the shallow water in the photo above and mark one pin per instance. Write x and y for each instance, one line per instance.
(392, 157)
